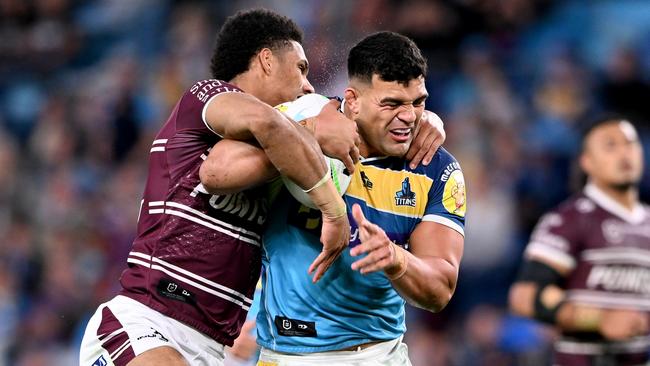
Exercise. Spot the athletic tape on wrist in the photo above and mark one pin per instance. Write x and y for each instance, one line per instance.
(403, 262)
(322, 181)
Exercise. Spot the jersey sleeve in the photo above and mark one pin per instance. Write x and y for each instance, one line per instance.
(197, 99)
(554, 240)
(447, 199)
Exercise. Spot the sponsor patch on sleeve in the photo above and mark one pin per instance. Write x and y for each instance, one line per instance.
(454, 198)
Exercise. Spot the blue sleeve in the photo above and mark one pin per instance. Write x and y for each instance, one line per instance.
(447, 200)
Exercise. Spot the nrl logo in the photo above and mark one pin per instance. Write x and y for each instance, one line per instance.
(172, 287)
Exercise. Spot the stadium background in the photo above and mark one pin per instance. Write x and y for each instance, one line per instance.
(84, 85)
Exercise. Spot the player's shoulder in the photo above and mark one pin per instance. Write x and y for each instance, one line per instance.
(206, 88)
(442, 165)
(574, 207)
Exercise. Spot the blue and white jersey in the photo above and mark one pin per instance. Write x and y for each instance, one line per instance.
(346, 308)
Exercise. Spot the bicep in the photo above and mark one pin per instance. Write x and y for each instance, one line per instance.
(233, 115)
(434, 240)
(441, 248)
(233, 166)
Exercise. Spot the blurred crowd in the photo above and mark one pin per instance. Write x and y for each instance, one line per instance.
(84, 86)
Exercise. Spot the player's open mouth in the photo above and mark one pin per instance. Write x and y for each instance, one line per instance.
(400, 134)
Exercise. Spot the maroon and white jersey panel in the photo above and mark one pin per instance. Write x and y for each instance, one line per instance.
(607, 249)
(196, 257)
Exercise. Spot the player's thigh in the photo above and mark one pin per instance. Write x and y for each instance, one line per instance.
(164, 356)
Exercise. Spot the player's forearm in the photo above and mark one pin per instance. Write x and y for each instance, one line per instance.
(573, 317)
(428, 283)
(293, 151)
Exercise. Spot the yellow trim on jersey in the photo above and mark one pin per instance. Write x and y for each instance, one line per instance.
(386, 184)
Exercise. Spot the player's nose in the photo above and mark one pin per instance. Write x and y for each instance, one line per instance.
(407, 114)
(307, 88)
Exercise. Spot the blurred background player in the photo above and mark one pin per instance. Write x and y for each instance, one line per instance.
(195, 263)
(587, 266)
(412, 239)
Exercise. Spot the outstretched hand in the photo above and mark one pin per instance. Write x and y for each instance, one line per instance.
(335, 236)
(374, 242)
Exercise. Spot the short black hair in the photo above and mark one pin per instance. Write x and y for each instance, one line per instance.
(246, 33)
(604, 118)
(390, 55)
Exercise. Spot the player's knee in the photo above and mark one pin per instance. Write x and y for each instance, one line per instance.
(163, 356)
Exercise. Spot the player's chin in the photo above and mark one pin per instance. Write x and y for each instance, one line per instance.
(624, 184)
(398, 149)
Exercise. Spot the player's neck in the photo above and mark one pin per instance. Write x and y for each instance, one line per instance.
(248, 82)
(628, 198)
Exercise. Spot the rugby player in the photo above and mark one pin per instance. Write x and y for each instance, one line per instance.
(587, 265)
(407, 242)
(196, 260)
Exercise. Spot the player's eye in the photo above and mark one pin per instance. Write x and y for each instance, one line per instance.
(419, 102)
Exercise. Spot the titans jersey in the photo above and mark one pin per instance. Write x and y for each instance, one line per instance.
(346, 308)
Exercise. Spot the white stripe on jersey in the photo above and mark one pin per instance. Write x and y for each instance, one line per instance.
(191, 275)
(444, 221)
(590, 348)
(216, 221)
(121, 349)
(608, 299)
(628, 255)
(211, 226)
(157, 148)
(194, 284)
(189, 213)
(159, 141)
(549, 253)
(105, 338)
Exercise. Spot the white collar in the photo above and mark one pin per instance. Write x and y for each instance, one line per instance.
(635, 216)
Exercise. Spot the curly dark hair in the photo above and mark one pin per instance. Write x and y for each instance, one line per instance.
(246, 33)
(390, 55)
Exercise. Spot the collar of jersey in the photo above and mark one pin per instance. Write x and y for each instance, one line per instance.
(635, 216)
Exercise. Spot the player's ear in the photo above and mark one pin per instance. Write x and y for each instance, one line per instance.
(265, 60)
(351, 96)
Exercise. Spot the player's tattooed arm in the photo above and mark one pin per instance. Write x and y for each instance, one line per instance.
(427, 275)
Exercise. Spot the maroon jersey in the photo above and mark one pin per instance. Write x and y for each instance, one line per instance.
(607, 249)
(196, 257)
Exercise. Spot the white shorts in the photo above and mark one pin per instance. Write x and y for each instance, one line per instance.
(123, 328)
(392, 353)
